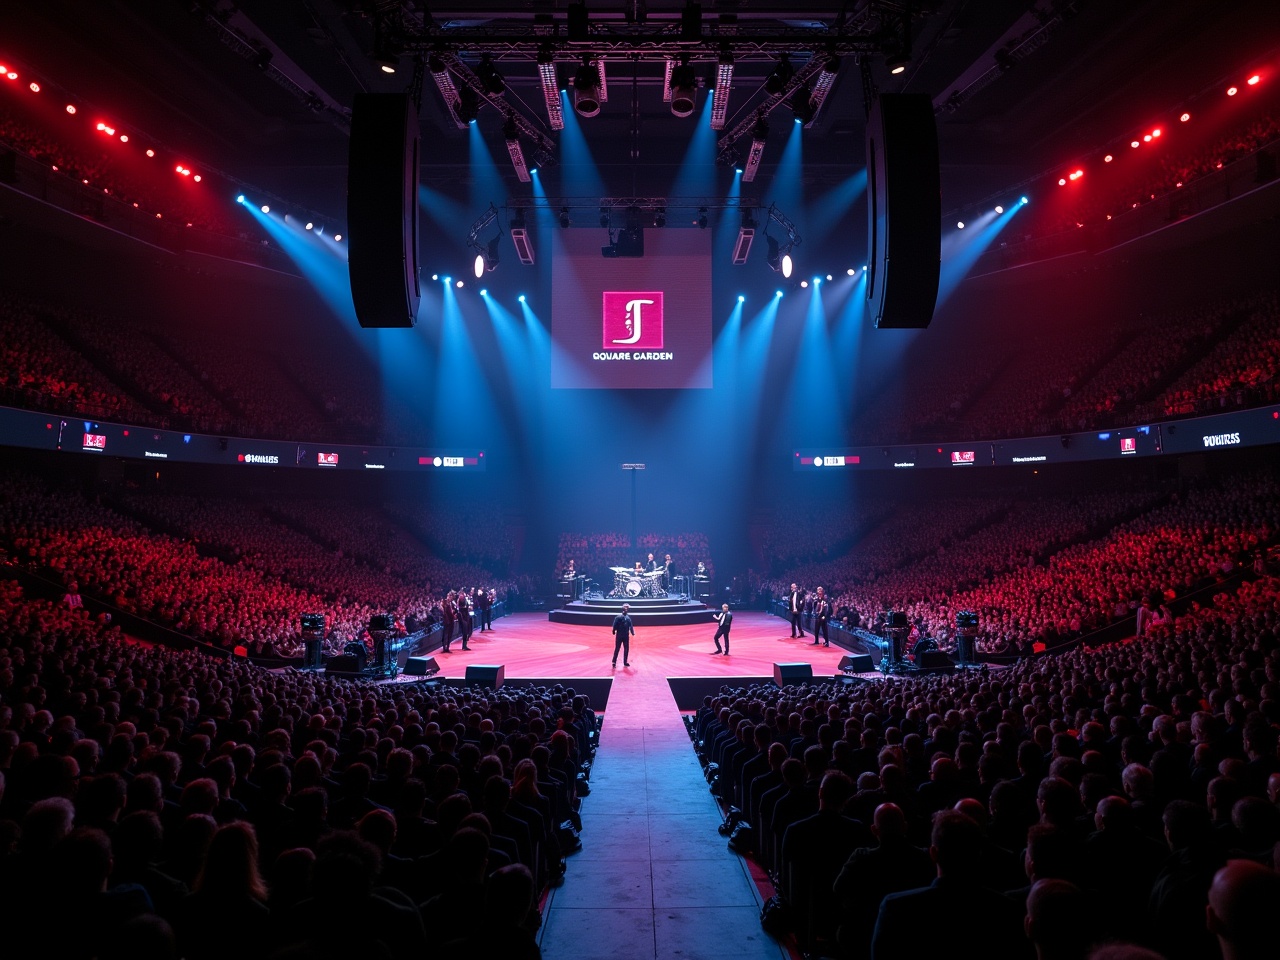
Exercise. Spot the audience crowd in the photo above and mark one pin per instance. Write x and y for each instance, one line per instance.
(163, 804)
(1099, 799)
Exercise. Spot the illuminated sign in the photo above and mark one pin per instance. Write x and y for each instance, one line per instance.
(375, 466)
(1128, 445)
(1222, 440)
(963, 458)
(1039, 458)
(152, 455)
(452, 461)
(633, 319)
(95, 442)
(904, 463)
(327, 459)
(268, 458)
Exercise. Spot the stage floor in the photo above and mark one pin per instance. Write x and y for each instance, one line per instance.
(530, 647)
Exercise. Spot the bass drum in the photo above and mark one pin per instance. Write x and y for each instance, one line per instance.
(634, 587)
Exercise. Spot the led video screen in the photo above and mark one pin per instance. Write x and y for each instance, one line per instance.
(631, 323)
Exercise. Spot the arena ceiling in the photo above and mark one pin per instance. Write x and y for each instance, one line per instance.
(1018, 84)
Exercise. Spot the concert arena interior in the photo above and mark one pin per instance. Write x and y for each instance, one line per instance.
(639, 479)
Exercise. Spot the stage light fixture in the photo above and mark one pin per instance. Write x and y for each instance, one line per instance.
(959, 224)
(780, 77)
(468, 105)
(1185, 117)
(337, 238)
(586, 89)
(265, 208)
(1146, 138)
(12, 75)
(459, 284)
(741, 298)
(310, 225)
(520, 239)
(511, 132)
(479, 266)
(759, 137)
(489, 77)
(1022, 200)
(448, 280)
(1108, 158)
(851, 271)
(828, 276)
(999, 209)
(550, 88)
(150, 152)
(1231, 91)
(484, 292)
(435, 276)
(1155, 132)
(804, 284)
(1254, 80)
(71, 108)
(802, 104)
(33, 87)
(897, 64)
(196, 178)
(448, 90)
(746, 235)
(702, 218)
(684, 89)
(521, 298)
(777, 293)
(1062, 181)
(124, 138)
(1135, 144)
(564, 218)
(724, 83)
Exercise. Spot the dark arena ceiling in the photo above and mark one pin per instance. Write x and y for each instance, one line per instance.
(263, 88)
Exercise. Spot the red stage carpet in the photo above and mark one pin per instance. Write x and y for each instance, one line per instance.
(531, 647)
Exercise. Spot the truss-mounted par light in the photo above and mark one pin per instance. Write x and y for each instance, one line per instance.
(684, 89)
(724, 83)
(759, 136)
(550, 88)
(586, 89)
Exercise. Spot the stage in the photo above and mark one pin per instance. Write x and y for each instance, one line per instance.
(662, 658)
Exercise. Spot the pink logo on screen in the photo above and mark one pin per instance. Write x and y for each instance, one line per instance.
(633, 319)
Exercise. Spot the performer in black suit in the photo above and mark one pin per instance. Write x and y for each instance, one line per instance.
(821, 613)
(725, 619)
(795, 604)
(449, 614)
(465, 623)
(623, 630)
(667, 572)
(652, 565)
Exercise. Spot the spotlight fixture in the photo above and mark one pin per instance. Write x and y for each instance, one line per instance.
(564, 218)
(1254, 80)
(511, 132)
(724, 83)
(822, 86)
(310, 225)
(804, 284)
(781, 76)
(802, 104)
(759, 136)
(586, 89)
(1185, 117)
(468, 106)
(240, 198)
(999, 209)
(550, 88)
(265, 208)
(959, 224)
(478, 267)
(851, 271)
(741, 298)
(1232, 91)
(490, 79)
(684, 88)
(897, 64)
(521, 298)
(337, 238)
(489, 257)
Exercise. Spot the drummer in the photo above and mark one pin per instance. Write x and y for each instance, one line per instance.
(639, 567)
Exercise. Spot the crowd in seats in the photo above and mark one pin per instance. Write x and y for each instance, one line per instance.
(1053, 568)
(817, 532)
(157, 804)
(222, 571)
(1240, 370)
(133, 357)
(467, 532)
(1098, 799)
(38, 368)
(594, 553)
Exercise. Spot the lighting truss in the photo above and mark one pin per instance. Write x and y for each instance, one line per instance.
(550, 89)
(448, 91)
(801, 77)
(512, 134)
(746, 236)
(822, 86)
(604, 83)
(666, 80)
(720, 97)
(516, 123)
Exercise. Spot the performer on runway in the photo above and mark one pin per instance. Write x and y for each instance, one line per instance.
(449, 614)
(821, 613)
(795, 604)
(623, 630)
(490, 598)
(725, 619)
(465, 622)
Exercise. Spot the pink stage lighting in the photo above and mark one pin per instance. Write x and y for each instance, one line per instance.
(1231, 91)
(1108, 158)
(1135, 144)
(1254, 80)
(35, 87)
(71, 108)
(150, 152)
(124, 138)
(1155, 132)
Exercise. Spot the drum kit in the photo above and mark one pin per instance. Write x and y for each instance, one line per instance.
(631, 584)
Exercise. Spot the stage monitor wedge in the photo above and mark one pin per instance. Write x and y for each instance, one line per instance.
(904, 211)
(382, 210)
(790, 674)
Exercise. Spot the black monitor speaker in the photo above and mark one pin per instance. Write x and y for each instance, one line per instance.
(904, 211)
(935, 661)
(421, 667)
(856, 663)
(486, 675)
(382, 210)
(785, 674)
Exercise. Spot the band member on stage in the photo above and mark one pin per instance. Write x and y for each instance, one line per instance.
(449, 614)
(465, 622)
(569, 572)
(652, 566)
(821, 613)
(795, 604)
(482, 607)
(639, 567)
(725, 619)
(490, 599)
(666, 572)
(623, 631)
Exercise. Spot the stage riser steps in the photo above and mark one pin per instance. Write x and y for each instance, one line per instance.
(647, 611)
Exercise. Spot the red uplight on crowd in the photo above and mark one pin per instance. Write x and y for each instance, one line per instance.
(71, 108)
(124, 138)
(1062, 181)
(1147, 138)
(1077, 175)
(35, 87)
(196, 178)
(1108, 158)
(1232, 91)
(11, 75)
(1254, 80)
(150, 152)
(1185, 117)
(1155, 132)
(1135, 144)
